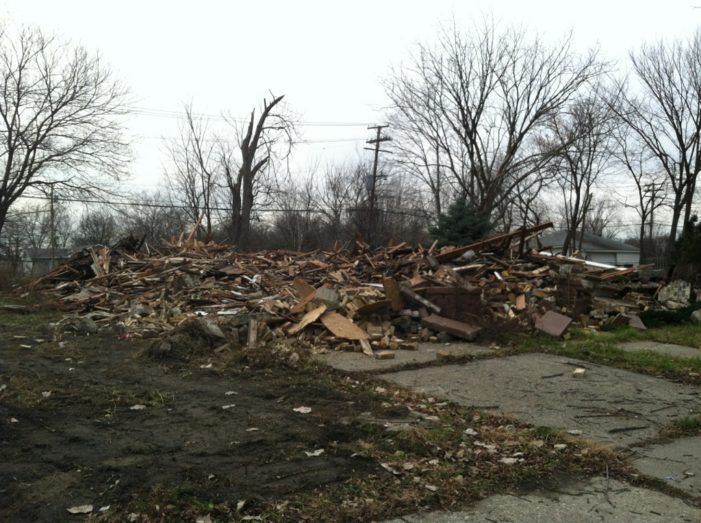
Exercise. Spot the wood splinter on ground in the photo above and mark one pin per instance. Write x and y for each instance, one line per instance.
(579, 372)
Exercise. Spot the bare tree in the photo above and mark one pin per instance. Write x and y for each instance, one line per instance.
(298, 222)
(59, 118)
(664, 109)
(96, 227)
(650, 183)
(38, 226)
(527, 205)
(467, 110)
(262, 142)
(602, 217)
(338, 192)
(580, 139)
(154, 219)
(194, 175)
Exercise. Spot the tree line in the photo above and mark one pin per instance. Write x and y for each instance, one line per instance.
(490, 122)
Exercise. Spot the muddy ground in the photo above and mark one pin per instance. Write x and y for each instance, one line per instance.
(83, 444)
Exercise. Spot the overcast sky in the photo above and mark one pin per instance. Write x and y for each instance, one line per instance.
(328, 58)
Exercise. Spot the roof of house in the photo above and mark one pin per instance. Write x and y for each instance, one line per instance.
(590, 243)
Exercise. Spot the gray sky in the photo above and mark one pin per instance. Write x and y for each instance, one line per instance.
(327, 57)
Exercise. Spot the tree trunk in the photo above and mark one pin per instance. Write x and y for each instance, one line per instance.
(437, 189)
(687, 206)
(235, 233)
(3, 216)
(246, 208)
(676, 211)
(643, 255)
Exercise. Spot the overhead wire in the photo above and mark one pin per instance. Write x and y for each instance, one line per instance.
(414, 213)
(173, 114)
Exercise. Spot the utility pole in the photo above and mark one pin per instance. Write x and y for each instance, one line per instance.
(53, 228)
(651, 189)
(373, 181)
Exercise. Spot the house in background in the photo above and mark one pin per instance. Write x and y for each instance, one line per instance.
(594, 248)
(41, 260)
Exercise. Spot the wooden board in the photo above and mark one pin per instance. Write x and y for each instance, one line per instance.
(302, 288)
(456, 328)
(369, 308)
(393, 293)
(300, 306)
(367, 349)
(342, 327)
(553, 323)
(308, 318)
(419, 299)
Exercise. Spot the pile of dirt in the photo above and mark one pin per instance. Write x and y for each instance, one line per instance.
(191, 339)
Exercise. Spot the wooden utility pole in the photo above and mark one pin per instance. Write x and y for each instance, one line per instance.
(373, 181)
(53, 228)
(652, 189)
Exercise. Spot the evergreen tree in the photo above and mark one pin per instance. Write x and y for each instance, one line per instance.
(462, 224)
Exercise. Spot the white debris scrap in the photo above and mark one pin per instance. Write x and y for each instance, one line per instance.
(80, 509)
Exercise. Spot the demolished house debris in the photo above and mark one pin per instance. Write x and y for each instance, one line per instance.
(374, 301)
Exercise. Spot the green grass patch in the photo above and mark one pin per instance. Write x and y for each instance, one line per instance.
(602, 347)
(687, 426)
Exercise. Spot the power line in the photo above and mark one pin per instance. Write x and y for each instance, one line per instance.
(223, 140)
(172, 114)
(414, 213)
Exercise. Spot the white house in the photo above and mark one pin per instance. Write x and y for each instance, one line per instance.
(594, 248)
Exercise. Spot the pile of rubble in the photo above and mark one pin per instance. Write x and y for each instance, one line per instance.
(377, 301)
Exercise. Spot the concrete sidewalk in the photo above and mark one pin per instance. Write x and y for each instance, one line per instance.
(595, 500)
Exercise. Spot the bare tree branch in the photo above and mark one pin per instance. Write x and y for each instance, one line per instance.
(467, 111)
(59, 117)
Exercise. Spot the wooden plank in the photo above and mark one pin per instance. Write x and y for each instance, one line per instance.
(367, 349)
(342, 327)
(454, 327)
(553, 323)
(432, 262)
(419, 299)
(301, 305)
(302, 288)
(252, 333)
(393, 293)
(369, 308)
(459, 251)
(308, 318)
(397, 247)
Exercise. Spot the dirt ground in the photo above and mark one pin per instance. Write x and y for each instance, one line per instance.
(106, 421)
(83, 444)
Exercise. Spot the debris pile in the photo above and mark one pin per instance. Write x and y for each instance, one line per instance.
(375, 301)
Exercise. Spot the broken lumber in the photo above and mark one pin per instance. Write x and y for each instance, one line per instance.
(419, 299)
(308, 318)
(393, 293)
(553, 323)
(342, 327)
(456, 328)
